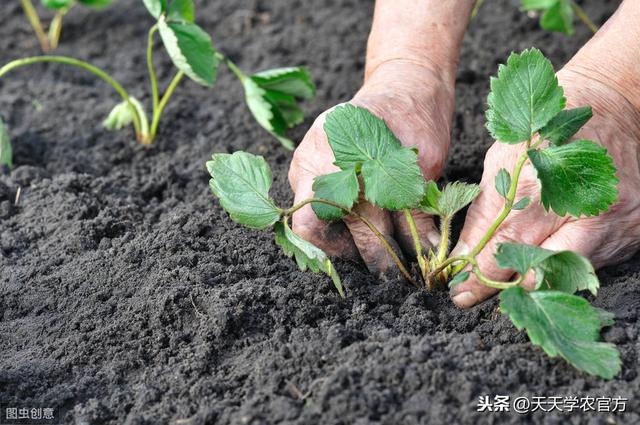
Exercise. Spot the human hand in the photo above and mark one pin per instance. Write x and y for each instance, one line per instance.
(606, 239)
(417, 103)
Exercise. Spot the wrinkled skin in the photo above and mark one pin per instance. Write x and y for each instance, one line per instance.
(606, 239)
(418, 108)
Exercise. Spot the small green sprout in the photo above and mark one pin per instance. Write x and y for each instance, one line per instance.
(526, 107)
(6, 157)
(555, 15)
(558, 15)
(272, 96)
(49, 40)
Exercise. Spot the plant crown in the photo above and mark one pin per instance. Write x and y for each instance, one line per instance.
(526, 107)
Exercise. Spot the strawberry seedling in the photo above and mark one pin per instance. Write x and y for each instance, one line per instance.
(558, 15)
(555, 15)
(272, 96)
(526, 107)
(49, 40)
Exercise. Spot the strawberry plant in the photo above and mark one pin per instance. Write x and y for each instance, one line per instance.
(526, 107)
(558, 15)
(555, 15)
(272, 96)
(49, 40)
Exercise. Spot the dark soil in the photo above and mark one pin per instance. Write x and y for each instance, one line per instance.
(129, 296)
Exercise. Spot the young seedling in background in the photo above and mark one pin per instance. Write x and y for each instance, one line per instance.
(526, 106)
(558, 15)
(272, 96)
(555, 15)
(49, 40)
(6, 157)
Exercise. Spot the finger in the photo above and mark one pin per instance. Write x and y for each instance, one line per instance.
(372, 250)
(428, 234)
(332, 237)
(530, 226)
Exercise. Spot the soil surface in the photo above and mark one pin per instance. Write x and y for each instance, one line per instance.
(127, 296)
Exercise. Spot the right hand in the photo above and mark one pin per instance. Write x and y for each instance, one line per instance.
(417, 103)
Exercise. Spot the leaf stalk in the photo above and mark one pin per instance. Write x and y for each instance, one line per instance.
(152, 73)
(157, 113)
(582, 15)
(139, 119)
(33, 18)
(55, 28)
(232, 66)
(367, 223)
(506, 209)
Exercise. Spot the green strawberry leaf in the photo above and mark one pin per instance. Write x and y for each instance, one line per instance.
(357, 136)
(340, 187)
(563, 325)
(456, 196)
(272, 97)
(559, 18)
(430, 201)
(156, 7)
(393, 181)
(307, 255)
(503, 182)
(390, 172)
(565, 125)
(524, 97)
(287, 106)
(242, 181)
(521, 204)
(190, 50)
(563, 271)
(294, 81)
(453, 197)
(6, 154)
(265, 112)
(96, 3)
(181, 11)
(519, 257)
(56, 4)
(537, 4)
(459, 278)
(568, 272)
(577, 179)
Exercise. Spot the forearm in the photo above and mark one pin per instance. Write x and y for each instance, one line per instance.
(423, 32)
(612, 56)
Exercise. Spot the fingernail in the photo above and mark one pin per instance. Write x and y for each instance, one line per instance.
(434, 238)
(461, 248)
(465, 299)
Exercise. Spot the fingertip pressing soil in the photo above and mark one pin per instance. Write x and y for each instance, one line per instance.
(129, 297)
